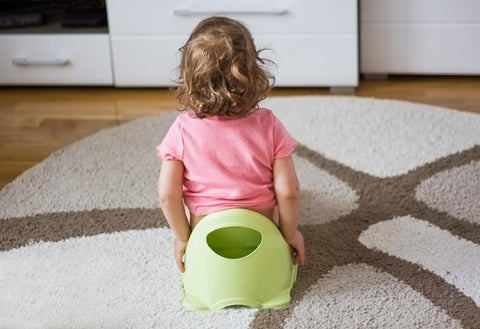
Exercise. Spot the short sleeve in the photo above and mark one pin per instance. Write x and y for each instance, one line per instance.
(171, 147)
(284, 143)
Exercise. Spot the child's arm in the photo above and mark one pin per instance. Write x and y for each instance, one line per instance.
(287, 191)
(170, 188)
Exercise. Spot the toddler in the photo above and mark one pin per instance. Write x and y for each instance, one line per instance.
(223, 151)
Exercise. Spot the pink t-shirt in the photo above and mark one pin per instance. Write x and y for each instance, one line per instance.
(228, 161)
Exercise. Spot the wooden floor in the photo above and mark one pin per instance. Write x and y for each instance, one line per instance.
(35, 121)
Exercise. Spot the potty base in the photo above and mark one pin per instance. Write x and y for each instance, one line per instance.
(192, 304)
(237, 257)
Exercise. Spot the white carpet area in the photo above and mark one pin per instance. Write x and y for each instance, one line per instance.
(390, 214)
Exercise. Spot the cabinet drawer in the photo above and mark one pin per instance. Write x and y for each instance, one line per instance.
(269, 17)
(55, 59)
(312, 61)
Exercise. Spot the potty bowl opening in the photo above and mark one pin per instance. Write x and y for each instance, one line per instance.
(234, 242)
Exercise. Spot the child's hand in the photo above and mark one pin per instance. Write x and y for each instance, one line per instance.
(179, 251)
(298, 252)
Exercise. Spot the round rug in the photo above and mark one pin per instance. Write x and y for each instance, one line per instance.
(390, 215)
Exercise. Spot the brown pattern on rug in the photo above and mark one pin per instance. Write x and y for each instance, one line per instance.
(18, 232)
(337, 244)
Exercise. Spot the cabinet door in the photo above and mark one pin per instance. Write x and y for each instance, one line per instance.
(420, 48)
(145, 61)
(309, 60)
(312, 61)
(55, 59)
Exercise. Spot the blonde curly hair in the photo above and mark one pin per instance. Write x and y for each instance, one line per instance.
(221, 72)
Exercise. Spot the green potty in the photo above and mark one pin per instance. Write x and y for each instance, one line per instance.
(237, 257)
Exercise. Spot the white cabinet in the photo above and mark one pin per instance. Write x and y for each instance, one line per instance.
(420, 37)
(55, 59)
(313, 42)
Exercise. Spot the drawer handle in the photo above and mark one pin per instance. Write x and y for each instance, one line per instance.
(194, 12)
(25, 61)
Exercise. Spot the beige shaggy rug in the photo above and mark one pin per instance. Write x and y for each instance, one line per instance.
(390, 214)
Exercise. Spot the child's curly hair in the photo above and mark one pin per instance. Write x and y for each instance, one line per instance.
(220, 72)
